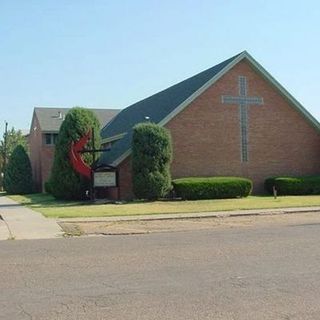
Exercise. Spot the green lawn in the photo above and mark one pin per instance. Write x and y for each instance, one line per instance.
(52, 208)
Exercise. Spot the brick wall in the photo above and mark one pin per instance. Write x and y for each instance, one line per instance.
(206, 136)
(41, 156)
(35, 142)
(47, 155)
(125, 179)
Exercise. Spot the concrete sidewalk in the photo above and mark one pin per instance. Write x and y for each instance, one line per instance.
(19, 222)
(4, 231)
(195, 215)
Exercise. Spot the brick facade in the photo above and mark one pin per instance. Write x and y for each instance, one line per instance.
(125, 179)
(206, 136)
(41, 155)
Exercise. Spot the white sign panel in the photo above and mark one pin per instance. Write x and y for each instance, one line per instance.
(105, 179)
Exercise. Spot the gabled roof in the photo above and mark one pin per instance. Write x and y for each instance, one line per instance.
(50, 119)
(156, 107)
(163, 106)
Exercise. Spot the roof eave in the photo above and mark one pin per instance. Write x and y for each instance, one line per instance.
(295, 103)
(113, 138)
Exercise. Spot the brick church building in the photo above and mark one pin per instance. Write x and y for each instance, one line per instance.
(44, 130)
(233, 119)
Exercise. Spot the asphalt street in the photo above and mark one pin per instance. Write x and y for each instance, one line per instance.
(251, 272)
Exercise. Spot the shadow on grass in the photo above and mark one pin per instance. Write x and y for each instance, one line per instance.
(43, 200)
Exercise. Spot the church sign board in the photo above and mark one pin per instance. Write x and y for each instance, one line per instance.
(104, 179)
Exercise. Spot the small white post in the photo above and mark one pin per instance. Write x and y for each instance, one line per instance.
(274, 192)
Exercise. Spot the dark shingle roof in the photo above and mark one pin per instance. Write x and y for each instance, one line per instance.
(50, 121)
(157, 107)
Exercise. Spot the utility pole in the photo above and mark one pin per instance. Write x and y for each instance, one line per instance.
(5, 145)
(4, 163)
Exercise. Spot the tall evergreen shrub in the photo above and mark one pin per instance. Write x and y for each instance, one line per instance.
(64, 182)
(151, 157)
(18, 173)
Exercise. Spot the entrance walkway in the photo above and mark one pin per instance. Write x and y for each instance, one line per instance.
(19, 222)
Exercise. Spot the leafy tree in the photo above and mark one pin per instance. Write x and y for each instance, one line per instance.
(151, 157)
(14, 138)
(18, 174)
(64, 182)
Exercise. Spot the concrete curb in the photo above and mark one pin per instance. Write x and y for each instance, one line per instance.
(217, 214)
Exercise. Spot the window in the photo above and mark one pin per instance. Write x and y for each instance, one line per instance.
(50, 139)
(47, 138)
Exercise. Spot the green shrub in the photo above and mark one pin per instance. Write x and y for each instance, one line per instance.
(65, 182)
(151, 157)
(47, 187)
(293, 185)
(18, 173)
(195, 188)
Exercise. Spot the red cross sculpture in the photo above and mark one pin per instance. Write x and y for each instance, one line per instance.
(76, 160)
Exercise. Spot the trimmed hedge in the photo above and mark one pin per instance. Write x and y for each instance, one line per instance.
(151, 157)
(293, 185)
(196, 188)
(47, 187)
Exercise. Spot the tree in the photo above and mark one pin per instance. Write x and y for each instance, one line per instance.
(18, 173)
(151, 157)
(64, 182)
(8, 143)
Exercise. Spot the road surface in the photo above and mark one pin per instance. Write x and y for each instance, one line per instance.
(254, 271)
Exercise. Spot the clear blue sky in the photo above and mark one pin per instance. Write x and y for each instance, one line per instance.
(101, 53)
